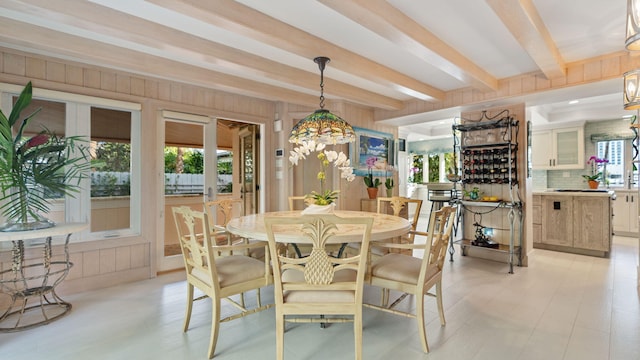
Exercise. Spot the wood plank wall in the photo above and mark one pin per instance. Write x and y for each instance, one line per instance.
(110, 262)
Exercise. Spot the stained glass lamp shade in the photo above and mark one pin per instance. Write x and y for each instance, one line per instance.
(322, 126)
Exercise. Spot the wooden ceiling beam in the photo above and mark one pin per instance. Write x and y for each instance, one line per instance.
(110, 56)
(253, 24)
(99, 19)
(523, 21)
(387, 21)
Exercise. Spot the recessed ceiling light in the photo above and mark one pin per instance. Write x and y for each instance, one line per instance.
(573, 102)
(441, 122)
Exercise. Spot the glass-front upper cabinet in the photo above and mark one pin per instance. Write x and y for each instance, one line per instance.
(558, 149)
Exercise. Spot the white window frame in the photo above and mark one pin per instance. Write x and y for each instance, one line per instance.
(78, 122)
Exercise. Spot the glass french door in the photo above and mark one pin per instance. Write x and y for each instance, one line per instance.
(189, 159)
(249, 168)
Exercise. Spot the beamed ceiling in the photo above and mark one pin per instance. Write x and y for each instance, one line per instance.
(384, 54)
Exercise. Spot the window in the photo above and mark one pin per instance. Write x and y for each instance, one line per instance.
(439, 165)
(619, 170)
(111, 169)
(416, 169)
(183, 170)
(109, 199)
(225, 171)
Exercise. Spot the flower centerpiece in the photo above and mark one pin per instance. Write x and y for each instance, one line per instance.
(325, 197)
(35, 169)
(594, 178)
(371, 183)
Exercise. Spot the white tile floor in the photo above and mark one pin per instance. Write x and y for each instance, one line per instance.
(562, 306)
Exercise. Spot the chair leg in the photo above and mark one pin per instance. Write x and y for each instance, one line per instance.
(187, 315)
(384, 299)
(279, 336)
(357, 331)
(258, 300)
(439, 300)
(420, 320)
(215, 326)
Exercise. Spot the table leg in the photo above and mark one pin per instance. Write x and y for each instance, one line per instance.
(21, 288)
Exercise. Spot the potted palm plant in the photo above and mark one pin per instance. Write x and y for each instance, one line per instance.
(34, 169)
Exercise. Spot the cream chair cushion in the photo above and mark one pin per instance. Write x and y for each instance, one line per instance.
(402, 268)
(336, 296)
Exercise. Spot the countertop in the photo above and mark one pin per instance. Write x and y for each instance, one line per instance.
(575, 192)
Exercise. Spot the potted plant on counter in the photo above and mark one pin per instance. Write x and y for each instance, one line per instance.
(593, 179)
(34, 169)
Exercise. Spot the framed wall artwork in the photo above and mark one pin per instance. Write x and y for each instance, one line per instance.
(372, 144)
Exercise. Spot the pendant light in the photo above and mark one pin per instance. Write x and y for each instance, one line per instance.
(322, 126)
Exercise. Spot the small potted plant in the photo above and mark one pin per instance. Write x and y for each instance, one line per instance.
(593, 179)
(473, 195)
(389, 185)
(371, 183)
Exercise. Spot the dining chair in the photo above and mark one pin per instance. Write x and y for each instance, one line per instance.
(415, 276)
(219, 213)
(404, 207)
(302, 201)
(397, 206)
(218, 277)
(318, 285)
(299, 203)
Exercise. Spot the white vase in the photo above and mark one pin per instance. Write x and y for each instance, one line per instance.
(319, 209)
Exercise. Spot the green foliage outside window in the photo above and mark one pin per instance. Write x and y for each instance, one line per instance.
(183, 160)
(193, 162)
(434, 168)
(110, 158)
(450, 163)
(113, 156)
(415, 173)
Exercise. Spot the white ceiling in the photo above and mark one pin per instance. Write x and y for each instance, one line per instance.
(383, 52)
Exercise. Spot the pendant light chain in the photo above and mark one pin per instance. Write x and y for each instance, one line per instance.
(322, 62)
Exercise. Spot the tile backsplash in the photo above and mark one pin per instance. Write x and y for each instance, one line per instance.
(572, 179)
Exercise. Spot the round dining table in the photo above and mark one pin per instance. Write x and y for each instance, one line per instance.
(384, 227)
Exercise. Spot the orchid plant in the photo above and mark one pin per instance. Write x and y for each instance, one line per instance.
(369, 181)
(595, 163)
(326, 157)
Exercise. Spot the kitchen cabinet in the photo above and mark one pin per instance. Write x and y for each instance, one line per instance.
(536, 210)
(558, 149)
(625, 213)
(592, 223)
(557, 216)
(573, 222)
